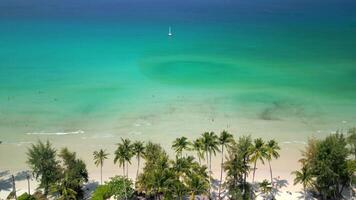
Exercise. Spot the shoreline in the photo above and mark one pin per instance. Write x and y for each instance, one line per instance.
(282, 169)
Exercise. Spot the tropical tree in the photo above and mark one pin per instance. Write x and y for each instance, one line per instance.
(99, 157)
(351, 140)
(120, 158)
(225, 140)
(180, 144)
(43, 164)
(327, 162)
(272, 149)
(197, 185)
(74, 170)
(120, 187)
(258, 152)
(237, 168)
(198, 147)
(124, 154)
(304, 177)
(138, 149)
(153, 179)
(211, 146)
(265, 188)
(63, 190)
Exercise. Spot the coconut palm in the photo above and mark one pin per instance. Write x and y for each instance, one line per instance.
(351, 140)
(120, 158)
(265, 188)
(180, 144)
(63, 189)
(99, 157)
(258, 152)
(272, 149)
(197, 185)
(225, 140)
(138, 149)
(198, 147)
(304, 177)
(124, 154)
(211, 146)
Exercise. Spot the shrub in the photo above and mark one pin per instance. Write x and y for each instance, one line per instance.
(101, 192)
(26, 196)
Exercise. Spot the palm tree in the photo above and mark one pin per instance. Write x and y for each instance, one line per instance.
(272, 149)
(211, 143)
(305, 177)
(258, 152)
(123, 154)
(351, 140)
(138, 150)
(225, 140)
(63, 189)
(180, 144)
(265, 188)
(197, 185)
(120, 158)
(198, 147)
(99, 157)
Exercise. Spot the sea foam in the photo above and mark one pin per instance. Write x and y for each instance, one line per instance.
(56, 133)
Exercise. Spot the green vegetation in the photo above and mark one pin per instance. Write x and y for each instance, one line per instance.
(44, 165)
(328, 167)
(118, 187)
(99, 157)
(61, 181)
(26, 196)
(327, 172)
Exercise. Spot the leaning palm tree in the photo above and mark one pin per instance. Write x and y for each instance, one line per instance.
(211, 146)
(225, 140)
(180, 144)
(258, 152)
(99, 157)
(138, 149)
(272, 149)
(305, 177)
(198, 147)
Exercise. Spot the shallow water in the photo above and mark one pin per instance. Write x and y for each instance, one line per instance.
(285, 69)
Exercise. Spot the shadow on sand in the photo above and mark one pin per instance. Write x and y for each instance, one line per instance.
(6, 181)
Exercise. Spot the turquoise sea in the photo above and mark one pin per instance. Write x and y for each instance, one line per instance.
(108, 68)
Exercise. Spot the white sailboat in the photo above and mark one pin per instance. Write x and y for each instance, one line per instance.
(170, 31)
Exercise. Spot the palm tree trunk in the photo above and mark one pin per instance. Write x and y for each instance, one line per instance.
(127, 169)
(270, 171)
(28, 184)
(199, 158)
(244, 179)
(192, 196)
(207, 158)
(207, 165)
(254, 171)
(221, 169)
(123, 169)
(210, 172)
(101, 174)
(14, 186)
(138, 166)
(305, 193)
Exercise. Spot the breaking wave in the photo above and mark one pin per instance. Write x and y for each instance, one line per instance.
(56, 133)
